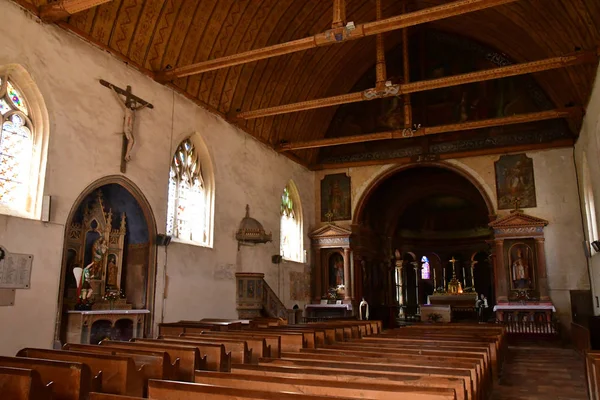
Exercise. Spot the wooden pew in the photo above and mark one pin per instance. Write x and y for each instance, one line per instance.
(189, 356)
(170, 390)
(454, 360)
(119, 374)
(157, 364)
(360, 365)
(290, 341)
(257, 346)
(238, 349)
(592, 373)
(23, 384)
(312, 337)
(243, 350)
(358, 376)
(107, 396)
(273, 341)
(323, 387)
(70, 380)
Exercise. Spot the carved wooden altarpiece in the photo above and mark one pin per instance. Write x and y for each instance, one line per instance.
(520, 268)
(331, 243)
(97, 224)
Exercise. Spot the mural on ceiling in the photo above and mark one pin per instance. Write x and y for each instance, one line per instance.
(515, 182)
(435, 55)
(335, 198)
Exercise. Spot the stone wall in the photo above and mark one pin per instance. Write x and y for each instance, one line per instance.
(85, 145)
(588, 147)
(557, 202)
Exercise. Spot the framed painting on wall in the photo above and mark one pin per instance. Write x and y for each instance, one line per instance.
(335, 198)
(515, 183)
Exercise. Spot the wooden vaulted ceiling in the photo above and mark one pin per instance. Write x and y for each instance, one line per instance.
(156, 35)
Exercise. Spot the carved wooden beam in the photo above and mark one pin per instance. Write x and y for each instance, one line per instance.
(406, 72)
(406, 88)
(339, 14)
(433, 130)
(61, 9)
(337, 35)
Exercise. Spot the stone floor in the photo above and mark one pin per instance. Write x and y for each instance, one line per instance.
(541, 373)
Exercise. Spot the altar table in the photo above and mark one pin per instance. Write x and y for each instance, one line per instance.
(328, 310)
(86, 326)
(463, 300)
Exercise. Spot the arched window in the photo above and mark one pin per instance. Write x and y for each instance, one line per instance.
(291, 240)
(425, 268)
(189, 209)
(22, 144)
(590, 204)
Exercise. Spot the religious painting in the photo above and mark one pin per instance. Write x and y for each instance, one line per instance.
(335, 198)
(515, 184)
(336, 270)
(521, 264)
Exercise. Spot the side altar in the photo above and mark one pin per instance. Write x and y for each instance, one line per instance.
(519, 261)
(95, 303)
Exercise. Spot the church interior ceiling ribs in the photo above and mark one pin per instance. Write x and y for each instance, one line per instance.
(157, 35)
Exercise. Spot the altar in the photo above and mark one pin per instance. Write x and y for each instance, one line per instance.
(462, 300)
(90, 327)
(325, 311)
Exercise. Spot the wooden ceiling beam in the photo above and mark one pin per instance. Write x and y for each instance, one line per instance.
(334, 36)
(339, 14)
(434, 130)
(548, 64)
(61, 9)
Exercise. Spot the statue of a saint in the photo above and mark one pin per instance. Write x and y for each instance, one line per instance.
(520, 272)
(98, 251)
(82, 277)
(111, 272)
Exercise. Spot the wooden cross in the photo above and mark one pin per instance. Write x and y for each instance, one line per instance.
(130, 105)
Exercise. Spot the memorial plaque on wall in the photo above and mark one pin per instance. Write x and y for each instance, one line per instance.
(15, 270)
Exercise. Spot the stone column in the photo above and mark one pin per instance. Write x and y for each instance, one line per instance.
(318, 276)
(417, 267)
(541, 269)
(500, 273)
(347, 277)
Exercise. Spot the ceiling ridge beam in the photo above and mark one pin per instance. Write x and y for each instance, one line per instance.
(62, 9)
(336, 35)
(434, 130)
(547, 64)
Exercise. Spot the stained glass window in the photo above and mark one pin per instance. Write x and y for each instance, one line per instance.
(16, 147)
(425, 268)
(187, 206)
(291, 227)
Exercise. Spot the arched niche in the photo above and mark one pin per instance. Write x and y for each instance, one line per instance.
(113, 208)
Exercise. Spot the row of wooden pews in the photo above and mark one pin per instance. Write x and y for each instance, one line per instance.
(266, 359)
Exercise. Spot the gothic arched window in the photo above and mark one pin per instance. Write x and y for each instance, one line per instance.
(291, 243)
(16, 148)
(189, 206)
(425, 268)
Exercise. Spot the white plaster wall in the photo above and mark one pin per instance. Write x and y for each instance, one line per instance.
(85, 146)
(557, 202)
(588, 144)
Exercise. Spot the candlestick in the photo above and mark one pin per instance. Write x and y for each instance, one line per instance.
(464, 277)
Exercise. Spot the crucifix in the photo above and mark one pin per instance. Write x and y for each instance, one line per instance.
(329, 216)
(453, 261)
(130, 105)
(517, 203)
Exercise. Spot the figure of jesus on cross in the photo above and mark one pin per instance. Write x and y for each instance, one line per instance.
(130, 105)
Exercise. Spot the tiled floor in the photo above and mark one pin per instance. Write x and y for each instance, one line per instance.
(538, 373)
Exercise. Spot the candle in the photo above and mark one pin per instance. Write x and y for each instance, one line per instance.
(464, 277)
(434, 281)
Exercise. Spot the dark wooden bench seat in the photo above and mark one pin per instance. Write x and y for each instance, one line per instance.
(323, 387)
(70, 380)
(119, 374)
(23, 384)
(273, 341)
(237, 350)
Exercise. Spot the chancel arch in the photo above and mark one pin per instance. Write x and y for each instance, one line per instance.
(109, 264)
(425, 214)
(190, 207)
(24, 131)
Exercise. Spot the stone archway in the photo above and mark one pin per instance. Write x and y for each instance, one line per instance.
(138, 248)
(419, 209)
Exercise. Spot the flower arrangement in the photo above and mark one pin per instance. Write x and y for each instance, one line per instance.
(332, 293)
(111, 296)
(433, 317)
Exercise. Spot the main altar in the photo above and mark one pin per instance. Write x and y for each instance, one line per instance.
(96, 306)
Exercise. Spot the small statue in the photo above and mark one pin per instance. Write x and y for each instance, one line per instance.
(82, 277)
(98, 251)
(111, 272)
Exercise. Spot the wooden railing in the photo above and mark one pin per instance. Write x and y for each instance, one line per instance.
(255, 298)
(272, 305)
(537, 328)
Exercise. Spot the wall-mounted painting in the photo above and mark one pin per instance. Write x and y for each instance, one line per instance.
(515, 183)
(335, 198)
